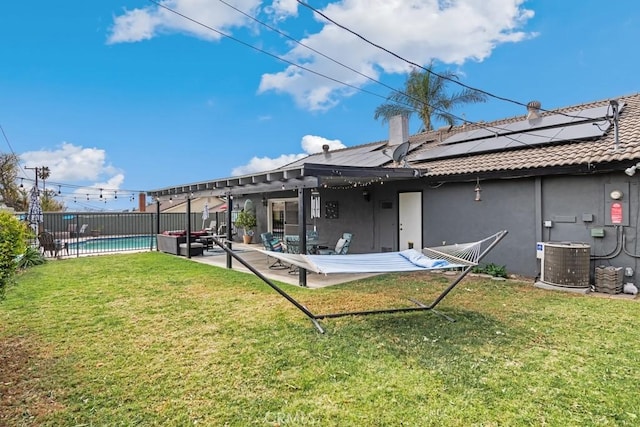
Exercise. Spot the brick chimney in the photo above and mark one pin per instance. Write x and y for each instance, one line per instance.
(142, 202)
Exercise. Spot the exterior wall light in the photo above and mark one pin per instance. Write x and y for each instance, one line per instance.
(478, 190)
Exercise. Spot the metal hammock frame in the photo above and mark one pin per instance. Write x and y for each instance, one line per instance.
(462, 256)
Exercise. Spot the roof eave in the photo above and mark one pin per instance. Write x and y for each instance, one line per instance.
(308, 175)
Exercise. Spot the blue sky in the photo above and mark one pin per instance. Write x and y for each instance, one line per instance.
(127, 96)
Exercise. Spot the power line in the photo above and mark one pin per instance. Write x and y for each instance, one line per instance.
(11, 149)
(435, 108)
(487, 93)
(298, 42)
(262, 50)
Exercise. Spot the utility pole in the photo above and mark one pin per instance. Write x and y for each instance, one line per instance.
(42, 172)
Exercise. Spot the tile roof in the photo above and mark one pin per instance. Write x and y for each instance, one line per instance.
(585, 155)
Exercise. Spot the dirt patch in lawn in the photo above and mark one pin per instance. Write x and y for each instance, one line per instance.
(23, 400)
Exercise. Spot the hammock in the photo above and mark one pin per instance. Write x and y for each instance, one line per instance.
(459, 256)
(443, 257)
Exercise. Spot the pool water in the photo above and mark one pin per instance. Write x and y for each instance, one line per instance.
(112, 244)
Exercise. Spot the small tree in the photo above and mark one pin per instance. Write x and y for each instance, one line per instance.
(12, 195)
(13, 238)
(247, 221)
(49, 203)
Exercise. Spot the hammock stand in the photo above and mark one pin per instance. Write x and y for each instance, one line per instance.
(462, 256)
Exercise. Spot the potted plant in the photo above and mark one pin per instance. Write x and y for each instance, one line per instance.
(247, 221)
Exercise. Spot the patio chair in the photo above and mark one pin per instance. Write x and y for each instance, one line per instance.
(273, 244)
(313, 235)
(292, 244)
(341, 248)
(47, 243)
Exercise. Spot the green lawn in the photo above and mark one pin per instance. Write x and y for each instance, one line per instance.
(149, 339)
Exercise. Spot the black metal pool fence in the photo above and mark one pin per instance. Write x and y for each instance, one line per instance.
(85, 233)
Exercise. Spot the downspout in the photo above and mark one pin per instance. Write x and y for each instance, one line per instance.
(537, 196)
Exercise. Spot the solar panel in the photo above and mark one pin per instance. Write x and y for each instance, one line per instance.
(583, 131)
(533, 124)
(368, 155)
(465, 136)
(536, 137)
(597, 112)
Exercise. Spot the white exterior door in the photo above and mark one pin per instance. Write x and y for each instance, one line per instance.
(410, 220)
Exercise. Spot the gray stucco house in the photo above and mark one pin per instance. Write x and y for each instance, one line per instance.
(566, 175)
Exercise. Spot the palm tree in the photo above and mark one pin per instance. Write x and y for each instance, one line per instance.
(425, 94)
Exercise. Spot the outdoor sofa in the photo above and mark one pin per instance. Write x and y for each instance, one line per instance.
(175, 243)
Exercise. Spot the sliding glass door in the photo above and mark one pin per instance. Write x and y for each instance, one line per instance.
(283, 217)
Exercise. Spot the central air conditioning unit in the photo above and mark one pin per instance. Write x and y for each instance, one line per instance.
(564, 264)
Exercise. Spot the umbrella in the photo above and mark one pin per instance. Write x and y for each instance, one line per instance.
(205, 214)
(34, 214)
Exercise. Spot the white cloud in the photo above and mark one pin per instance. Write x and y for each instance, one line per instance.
(313, 144)
(310, 144)
(447, 31)
(142, 24)
(261, 164)
(73, 164)
(451, 32)
(282, 9)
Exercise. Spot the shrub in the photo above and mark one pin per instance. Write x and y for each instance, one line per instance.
(491, 269)
(31, 257)
(13, 238)
(246, 220)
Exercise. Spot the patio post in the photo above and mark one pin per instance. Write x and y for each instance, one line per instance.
(188, 234)
(302, 233)
(229, 230)
(157, 221)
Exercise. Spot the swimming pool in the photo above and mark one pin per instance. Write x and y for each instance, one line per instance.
(113, 244)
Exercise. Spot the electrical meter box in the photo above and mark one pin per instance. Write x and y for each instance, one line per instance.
(616, 206)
